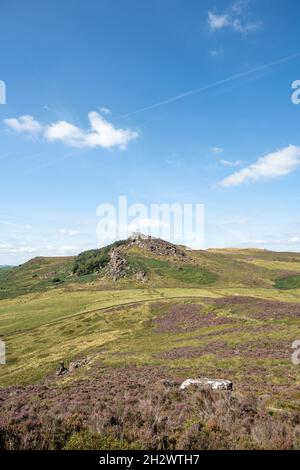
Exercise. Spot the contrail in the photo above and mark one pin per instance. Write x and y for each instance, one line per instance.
(213, 85)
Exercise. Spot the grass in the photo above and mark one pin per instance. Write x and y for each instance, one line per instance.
(118, 329)
(187, 321)
(185, 274)
(220, 268)
(34, 276)
(288, 282)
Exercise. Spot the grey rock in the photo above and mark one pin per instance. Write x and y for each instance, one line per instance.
(62, 370)
(117, 265)
(141, 276)
(78, 364)
(204, 382)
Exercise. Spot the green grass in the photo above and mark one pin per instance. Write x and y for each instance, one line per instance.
(116, 328)
(220, 268)
(36, 275)
(47, 315)
(184, 273)
(288, 282)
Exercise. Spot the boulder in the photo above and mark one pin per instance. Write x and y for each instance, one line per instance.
(61, 370)
(117, 265)
(141, 276)
(77, 364)
(204, 382)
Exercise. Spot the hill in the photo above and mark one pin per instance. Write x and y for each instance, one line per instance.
(131, 321)
(145, 261)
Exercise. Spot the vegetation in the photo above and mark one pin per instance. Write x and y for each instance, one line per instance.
(137, 408)
(92, 261)
(187, 273)
(288, 282)
(218, 313)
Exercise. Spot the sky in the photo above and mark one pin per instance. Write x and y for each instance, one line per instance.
(163, 101)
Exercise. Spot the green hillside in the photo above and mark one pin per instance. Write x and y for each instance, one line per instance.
(143, 312)
(158, 266)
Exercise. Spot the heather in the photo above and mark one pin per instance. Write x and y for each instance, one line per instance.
(136, 408)
(131, 331)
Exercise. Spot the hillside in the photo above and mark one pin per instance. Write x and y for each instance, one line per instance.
(152, 262)
(131, 321)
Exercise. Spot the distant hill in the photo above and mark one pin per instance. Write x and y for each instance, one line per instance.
(152, 262)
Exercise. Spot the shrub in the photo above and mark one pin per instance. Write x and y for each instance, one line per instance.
(91, 261)
(86, 440)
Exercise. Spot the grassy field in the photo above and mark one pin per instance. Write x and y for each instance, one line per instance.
(241, 331)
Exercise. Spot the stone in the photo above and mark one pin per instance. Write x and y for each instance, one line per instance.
(141, 276)
(78, 364)
(169, 383)
(204, 382)
(117, 265)
(156, 245)
(62, 370)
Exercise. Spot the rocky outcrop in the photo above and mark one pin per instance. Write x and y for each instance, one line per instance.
(117, 265)
(141, 276)
(214, 384)
(74, 365)
(61, 370)
(156, 245)
(78, 364)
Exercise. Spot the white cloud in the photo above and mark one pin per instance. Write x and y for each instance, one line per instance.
(273, 165)
(294, 240)
(229, 163)
(217, 21)
(216, 150)
(63, 249)
(71, 233)
(245, 28)
(101, 133)
(279, 241)
(104, 110)
(235, 17)
(12, 224)
(216, 52)
(24, 124)
(10, 249)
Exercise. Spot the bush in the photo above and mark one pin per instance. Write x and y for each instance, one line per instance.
(288, 282)
(86, 440)
(91, 261)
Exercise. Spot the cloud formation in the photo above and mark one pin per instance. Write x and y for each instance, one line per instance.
(24, 124)
(101, 133)
(230, 163)
(235, 18)
(216, 150)
(15, 249)
(69, 232)
(276, 164)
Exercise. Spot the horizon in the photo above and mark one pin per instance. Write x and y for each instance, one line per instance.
(185, 246)
(160, 102)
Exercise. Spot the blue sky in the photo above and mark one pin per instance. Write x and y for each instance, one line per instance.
(93, 79)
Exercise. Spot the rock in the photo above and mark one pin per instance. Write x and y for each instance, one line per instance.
(117, 265)
(169, 383)
(156, 245)
(141, 276)
(214, 384)
(77, 364)
(62, 370)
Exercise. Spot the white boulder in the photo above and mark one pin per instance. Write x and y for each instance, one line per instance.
(214, 384)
